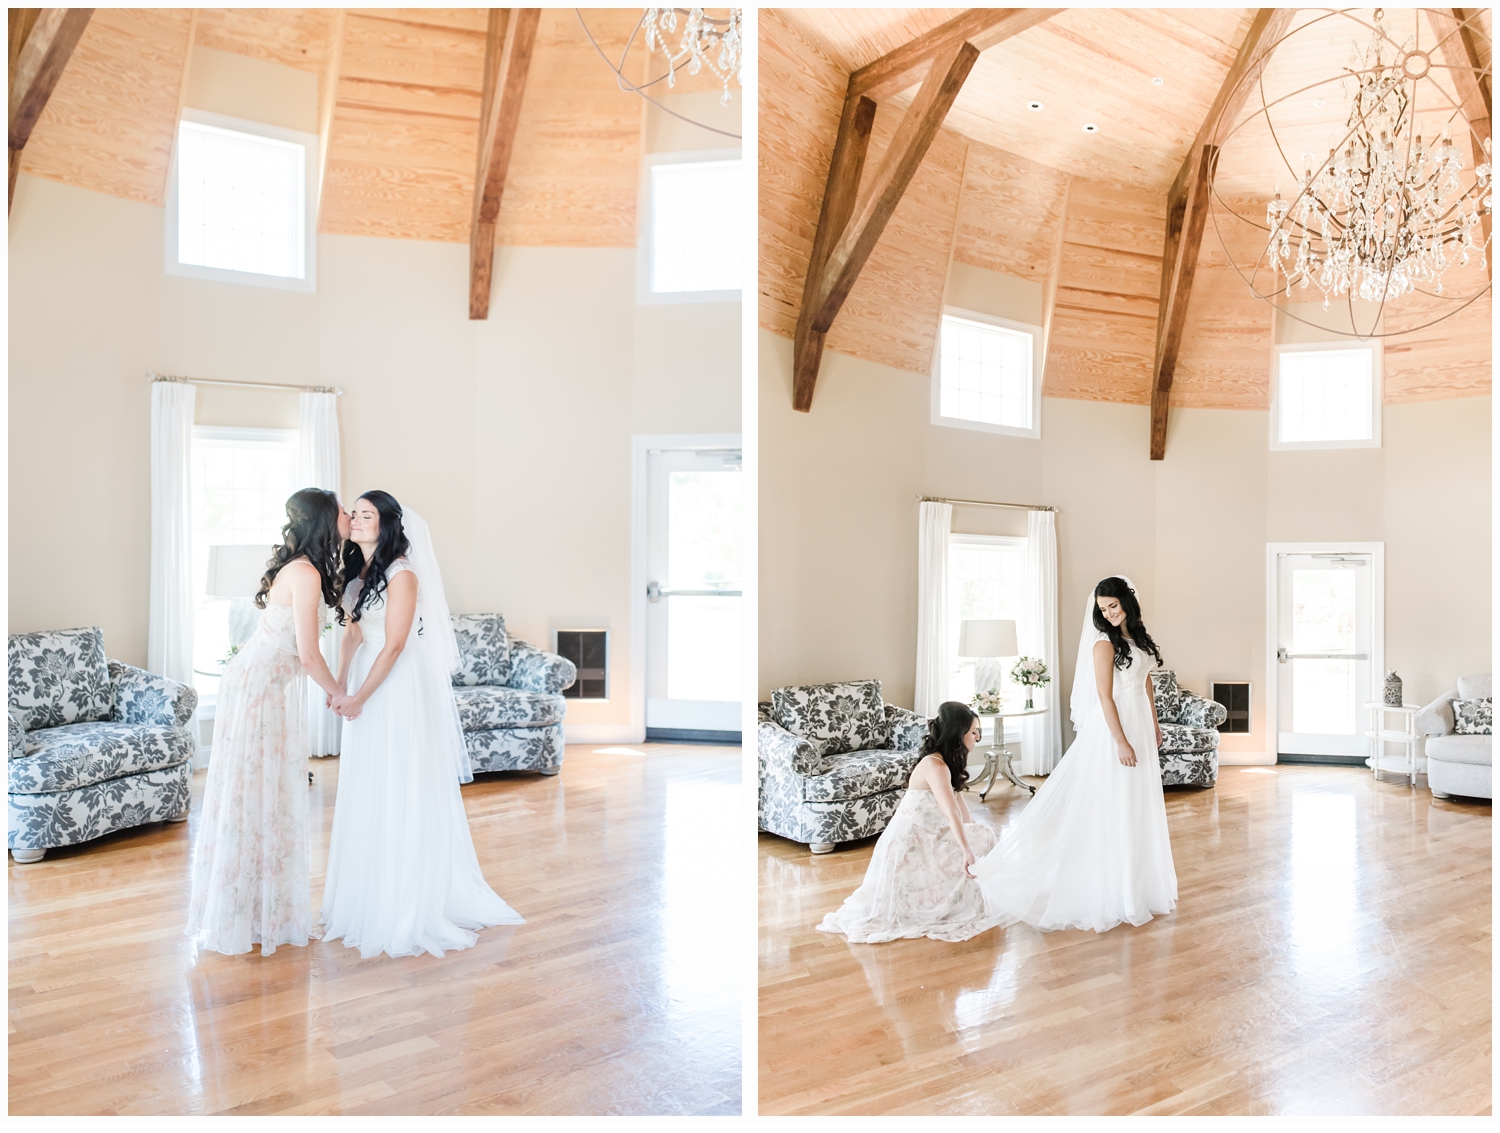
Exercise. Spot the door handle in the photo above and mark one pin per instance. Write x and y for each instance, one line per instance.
(655, 593)
(1283, 656)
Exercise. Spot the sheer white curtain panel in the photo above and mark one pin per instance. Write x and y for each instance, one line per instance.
(169, 634)
(934, 522)
(1041, 736)
(319, 466)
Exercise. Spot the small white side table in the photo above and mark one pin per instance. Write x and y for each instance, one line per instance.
(998, 758)
(1379, 735)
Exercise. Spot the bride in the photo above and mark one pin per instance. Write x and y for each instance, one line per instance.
(403, 877)
(1091, 849)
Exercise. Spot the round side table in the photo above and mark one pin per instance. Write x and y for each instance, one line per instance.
(998, 757)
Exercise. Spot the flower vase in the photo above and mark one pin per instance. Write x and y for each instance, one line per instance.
(1028, 700)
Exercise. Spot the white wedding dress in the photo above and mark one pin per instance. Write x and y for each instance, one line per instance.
(403, 877)
(1091, 850)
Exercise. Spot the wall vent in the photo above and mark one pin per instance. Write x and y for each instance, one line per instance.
(1234, 696)
(588, 649)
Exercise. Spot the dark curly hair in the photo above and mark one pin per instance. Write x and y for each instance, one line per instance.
(390, 547)
(945, 737)
(311, 532)
(1119, 589)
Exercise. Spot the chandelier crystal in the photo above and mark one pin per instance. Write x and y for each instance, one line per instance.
(706, 42)
(1387, 212)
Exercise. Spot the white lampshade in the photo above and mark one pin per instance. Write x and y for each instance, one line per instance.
(235, 569)
(988, 637)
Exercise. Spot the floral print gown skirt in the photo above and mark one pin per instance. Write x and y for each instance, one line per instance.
(250, 863)
(915, 884)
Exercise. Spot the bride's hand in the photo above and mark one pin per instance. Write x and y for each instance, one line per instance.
(346, 706)
(1126, 753)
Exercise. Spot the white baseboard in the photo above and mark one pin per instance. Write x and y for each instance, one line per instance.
(603, 734)
(1246, 758)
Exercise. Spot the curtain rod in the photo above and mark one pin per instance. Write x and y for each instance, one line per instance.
(985, 503)
(245, 385)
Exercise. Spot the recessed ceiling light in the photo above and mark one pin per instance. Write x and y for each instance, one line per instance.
(1320, 103)
(1156, 82)
(1033, 105)
(1090, 128)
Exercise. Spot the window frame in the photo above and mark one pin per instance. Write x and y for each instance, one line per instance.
(309, 143)
(1012, 542)
(1376, 348)
(644, 294)
(1034, 432)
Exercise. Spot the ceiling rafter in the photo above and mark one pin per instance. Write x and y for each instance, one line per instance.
(41, 43)
(508, 49)
(1187, 209)
(1471, 79)
(851, 221)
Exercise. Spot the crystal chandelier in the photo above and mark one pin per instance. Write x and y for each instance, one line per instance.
(706, 42)
(1387, 213)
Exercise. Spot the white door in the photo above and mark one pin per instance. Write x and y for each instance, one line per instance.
(693, 603)
(1324, 648)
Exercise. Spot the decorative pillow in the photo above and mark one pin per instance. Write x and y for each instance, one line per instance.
(483, 650)
(60, 677)
(833, 718)
(1473, 717)
(1168, 695)
(1475, 687)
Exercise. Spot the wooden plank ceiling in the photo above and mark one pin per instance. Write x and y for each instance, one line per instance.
(405, 123)
(990, 193)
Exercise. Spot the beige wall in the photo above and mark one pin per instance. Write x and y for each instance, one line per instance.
(511, 435)
(838, 525)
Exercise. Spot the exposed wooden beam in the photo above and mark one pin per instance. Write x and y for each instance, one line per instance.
(850, 222)
(1054, 273)
(983, 27)
(1187, 209)
(328, 98)
(39, 52)
(1457, 44)
(512, 37)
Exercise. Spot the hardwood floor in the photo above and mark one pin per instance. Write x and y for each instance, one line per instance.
(1330, 954)
(613, 998)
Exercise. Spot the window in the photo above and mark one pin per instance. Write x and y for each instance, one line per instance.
(1326, 397)
(241, 479)
(986, 577)
(240, 203)
(694, 231)
(987, 375)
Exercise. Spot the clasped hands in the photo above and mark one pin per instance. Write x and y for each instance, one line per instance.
(345, 705)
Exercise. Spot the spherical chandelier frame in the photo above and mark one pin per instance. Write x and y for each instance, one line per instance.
(1219, 206)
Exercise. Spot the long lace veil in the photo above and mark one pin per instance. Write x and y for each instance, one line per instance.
(1085, 689)
(438, 650)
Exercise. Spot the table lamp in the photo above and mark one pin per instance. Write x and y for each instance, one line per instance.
(987, 639)
(234, 572)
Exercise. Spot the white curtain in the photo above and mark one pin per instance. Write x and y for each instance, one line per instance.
(318, 466)
(935, 521)
(169, 640)
(1041, 736)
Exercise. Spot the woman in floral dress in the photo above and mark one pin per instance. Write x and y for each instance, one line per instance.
(918, 882)
(250, 864)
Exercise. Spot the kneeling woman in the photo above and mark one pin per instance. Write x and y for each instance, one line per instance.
(919, 883)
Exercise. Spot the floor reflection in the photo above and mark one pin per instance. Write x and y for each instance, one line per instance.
(1322, 891)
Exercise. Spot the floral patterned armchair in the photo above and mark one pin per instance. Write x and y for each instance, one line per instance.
(1189, 733)
(834, 760)
(509, 698)
(95, 746)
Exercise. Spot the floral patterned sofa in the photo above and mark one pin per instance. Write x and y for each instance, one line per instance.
(95, 746)
(508, 697)
(1189, 733)
(834, 760)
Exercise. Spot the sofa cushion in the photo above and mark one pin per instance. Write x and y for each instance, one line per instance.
(1167, 695)
(1436, 719)
(78, 755)
(1182, 738)
(1461, 749)
(833, 718)
(59, 677)
(857, 774)
(483, 650)
(1473, 717)
(488, 706)
(1476, 687)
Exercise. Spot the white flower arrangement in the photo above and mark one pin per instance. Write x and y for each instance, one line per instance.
(986, 702)
(1031, 672)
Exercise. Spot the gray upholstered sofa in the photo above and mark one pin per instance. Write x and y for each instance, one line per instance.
(1189, 733)
(509, 700)
(95, 746)
(1458, 764)
(834, 760)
